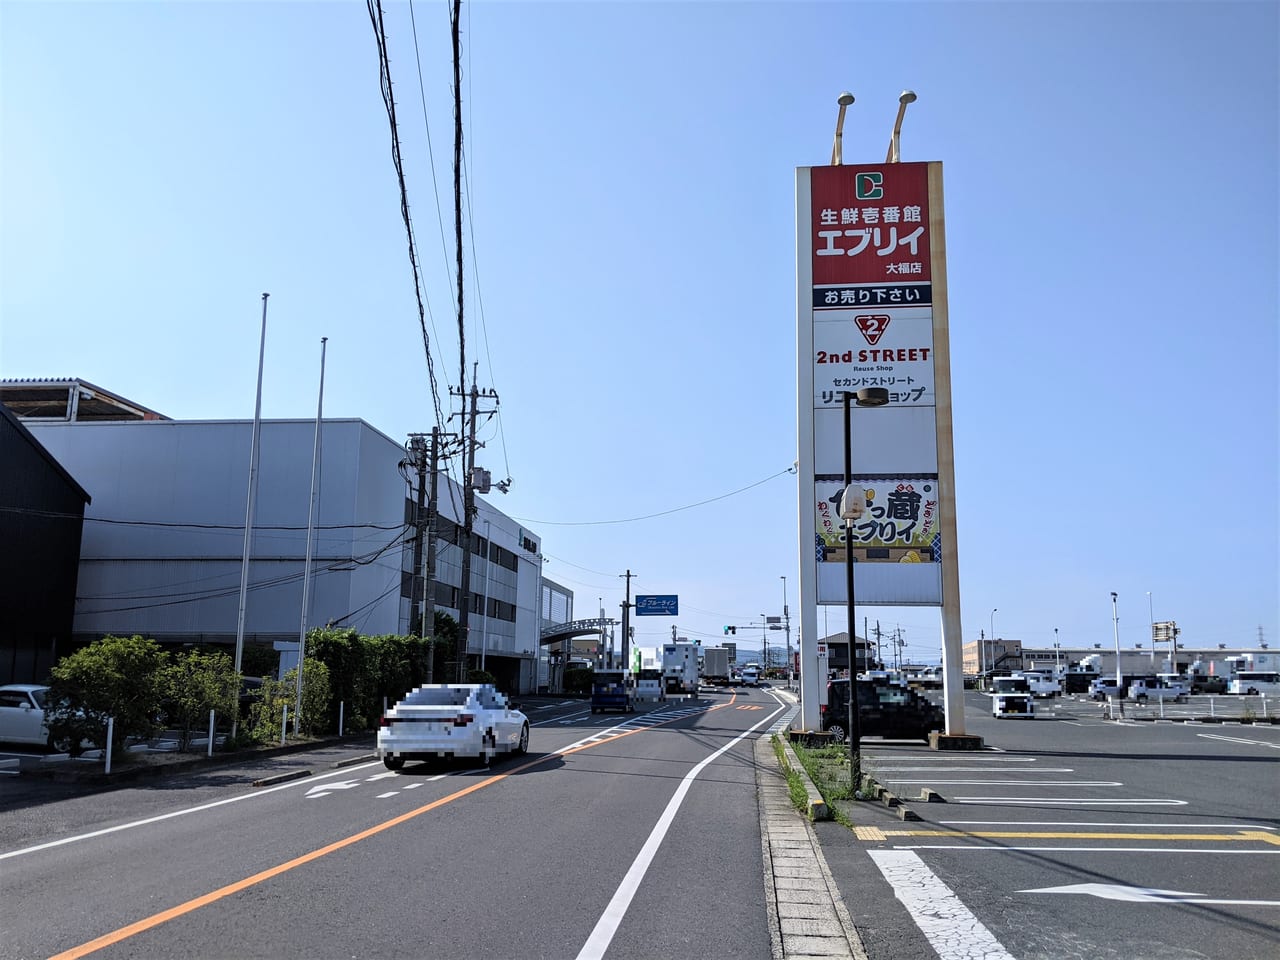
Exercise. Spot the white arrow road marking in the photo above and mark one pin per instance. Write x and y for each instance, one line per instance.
(952, 930)
(1252, 743)
(380, 776)
(1117, 891)
(322, 790)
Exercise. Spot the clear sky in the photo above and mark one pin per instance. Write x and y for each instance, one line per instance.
(1111, 202)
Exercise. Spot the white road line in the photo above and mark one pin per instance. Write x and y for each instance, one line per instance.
(1251, 743)
(988, 848)
(964, 769)
(1074, 801)
(953, 931)
(982, 759)
(1090, 823)
(413, 786)
(307, 782)
(383, 796)
(1028, 783)
(602, 934)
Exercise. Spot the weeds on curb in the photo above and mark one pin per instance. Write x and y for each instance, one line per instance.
(795, 783)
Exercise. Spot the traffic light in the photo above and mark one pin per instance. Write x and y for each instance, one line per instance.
(729, 630)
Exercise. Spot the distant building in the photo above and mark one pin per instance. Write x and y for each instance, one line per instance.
(162, 545)
(41, 517)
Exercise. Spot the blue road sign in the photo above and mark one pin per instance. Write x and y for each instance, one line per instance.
(658, 605)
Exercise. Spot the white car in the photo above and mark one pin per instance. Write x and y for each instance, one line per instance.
(441, 721)
(22, 710)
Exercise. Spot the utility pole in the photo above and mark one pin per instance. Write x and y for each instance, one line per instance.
(425, 461)
(879, 655)
(470, 411)
(626, 621)
(416, 448)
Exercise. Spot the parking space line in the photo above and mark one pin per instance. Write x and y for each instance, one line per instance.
(1081, 835)
(1074, 801)
(952, 930)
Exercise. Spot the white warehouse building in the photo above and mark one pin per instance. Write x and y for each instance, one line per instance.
(161, 553)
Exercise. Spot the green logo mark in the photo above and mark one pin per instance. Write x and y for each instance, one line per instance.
(869, 186)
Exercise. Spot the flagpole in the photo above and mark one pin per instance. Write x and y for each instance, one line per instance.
(251, 497)
(306, 569)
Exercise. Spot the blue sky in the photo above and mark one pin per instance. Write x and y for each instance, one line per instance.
(1111, 201)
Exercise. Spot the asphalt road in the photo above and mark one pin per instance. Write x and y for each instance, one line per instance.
(632, 835)
(638, 837)
(1070, 837)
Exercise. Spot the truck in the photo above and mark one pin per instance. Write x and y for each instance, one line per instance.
(1040, 684)
(680, 668)
(715, 666)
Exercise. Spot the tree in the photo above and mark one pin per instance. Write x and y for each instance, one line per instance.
(315, 694)
(192, 684)
(116, 677)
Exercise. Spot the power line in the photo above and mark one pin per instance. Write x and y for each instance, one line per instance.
(384, 74)
(663, 513)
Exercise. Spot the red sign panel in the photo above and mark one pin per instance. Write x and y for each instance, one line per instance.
(870, 223)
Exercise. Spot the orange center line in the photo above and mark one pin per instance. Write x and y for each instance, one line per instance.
(164, 916)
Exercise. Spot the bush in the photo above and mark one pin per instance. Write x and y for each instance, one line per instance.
(315, 695)
(480, 676)
(118, 677)
(191, 685)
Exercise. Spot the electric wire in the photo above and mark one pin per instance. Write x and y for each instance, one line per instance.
(662, 513)
(388, 99)
(431, 155)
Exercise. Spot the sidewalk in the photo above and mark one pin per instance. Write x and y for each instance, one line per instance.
(807, 915)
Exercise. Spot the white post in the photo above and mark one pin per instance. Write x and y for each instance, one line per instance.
(1115, 623)
(284, 724)
(1211, 713)
(342, 706)
(111, 729)
(210, 733)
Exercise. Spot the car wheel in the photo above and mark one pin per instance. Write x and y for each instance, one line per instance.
(1253, 692)
(837, 732)
(59, 744)
(523, 746)
(393, 762)
(1142, 699)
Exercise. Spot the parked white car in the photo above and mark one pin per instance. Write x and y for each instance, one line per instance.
(22, 707)
(444, 721)
(1143, 690)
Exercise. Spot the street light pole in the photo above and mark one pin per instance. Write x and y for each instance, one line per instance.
(851, 507)
(1115, 624)
(1057, 657)
(786, 622)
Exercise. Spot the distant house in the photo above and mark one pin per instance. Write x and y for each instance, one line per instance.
(41, 519)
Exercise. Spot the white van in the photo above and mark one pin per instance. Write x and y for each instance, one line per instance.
(1254, 682)
(750, 676)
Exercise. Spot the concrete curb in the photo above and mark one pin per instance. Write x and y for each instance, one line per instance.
(127, 773)
(818, 809)
(282, 778)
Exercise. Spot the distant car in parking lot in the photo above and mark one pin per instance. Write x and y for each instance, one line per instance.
(22, 717)
(442, 721)
(883, 711)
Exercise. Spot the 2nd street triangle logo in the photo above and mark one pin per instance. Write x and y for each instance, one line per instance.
(872, 325)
